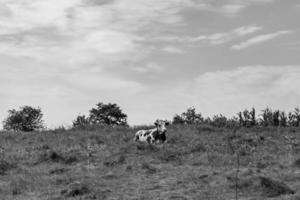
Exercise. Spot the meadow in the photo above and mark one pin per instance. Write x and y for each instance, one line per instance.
(197, 162)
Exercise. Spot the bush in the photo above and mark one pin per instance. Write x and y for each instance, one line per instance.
(25, 119)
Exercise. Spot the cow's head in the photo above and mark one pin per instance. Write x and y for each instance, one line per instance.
(161, 126)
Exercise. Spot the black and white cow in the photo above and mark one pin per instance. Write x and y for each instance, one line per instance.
(157, 134)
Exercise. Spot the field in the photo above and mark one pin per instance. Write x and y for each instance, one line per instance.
(197, 162)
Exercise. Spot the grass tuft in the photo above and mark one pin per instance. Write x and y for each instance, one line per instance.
(149, 168)
(273, 188)
(76, 190)
(6, 166)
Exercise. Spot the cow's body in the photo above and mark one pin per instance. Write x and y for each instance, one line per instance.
(154, 135)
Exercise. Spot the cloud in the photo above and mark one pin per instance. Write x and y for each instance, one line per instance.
(221, 38)
(172, 50)
(212, 39)
(245, 30)
(260, 39)
(149, 68)
(254, 1)
(229, 8)
(80, 34)
(85, 31)
(226, 9)
(25, 14)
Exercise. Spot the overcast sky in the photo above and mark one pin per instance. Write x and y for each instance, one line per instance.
(154, 58)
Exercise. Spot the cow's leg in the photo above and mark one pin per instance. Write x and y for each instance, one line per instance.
(136, 137)
(149, 139)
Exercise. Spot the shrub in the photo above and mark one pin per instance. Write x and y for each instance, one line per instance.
(25, 119)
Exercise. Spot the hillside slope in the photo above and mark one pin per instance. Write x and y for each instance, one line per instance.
(196, 163)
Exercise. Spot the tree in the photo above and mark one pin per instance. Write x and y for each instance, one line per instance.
(81, 121)
(297, 116)
(283, 119)
(247, 118)
(188, 117)
(177, 119)
(25, 119)
(267, 117)
(192, 117)
(252, 117)
(290, 119)
(294, 117)
(276, 118)
(219, 121)
(109, 114)
(240, 118)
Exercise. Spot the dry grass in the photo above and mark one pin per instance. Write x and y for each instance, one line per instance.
(104, 163)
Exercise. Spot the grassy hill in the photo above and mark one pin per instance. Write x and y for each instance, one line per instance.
(197, 162)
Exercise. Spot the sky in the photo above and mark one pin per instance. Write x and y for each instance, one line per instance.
(153, 58)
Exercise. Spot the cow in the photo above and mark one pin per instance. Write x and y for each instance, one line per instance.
(155, 135)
